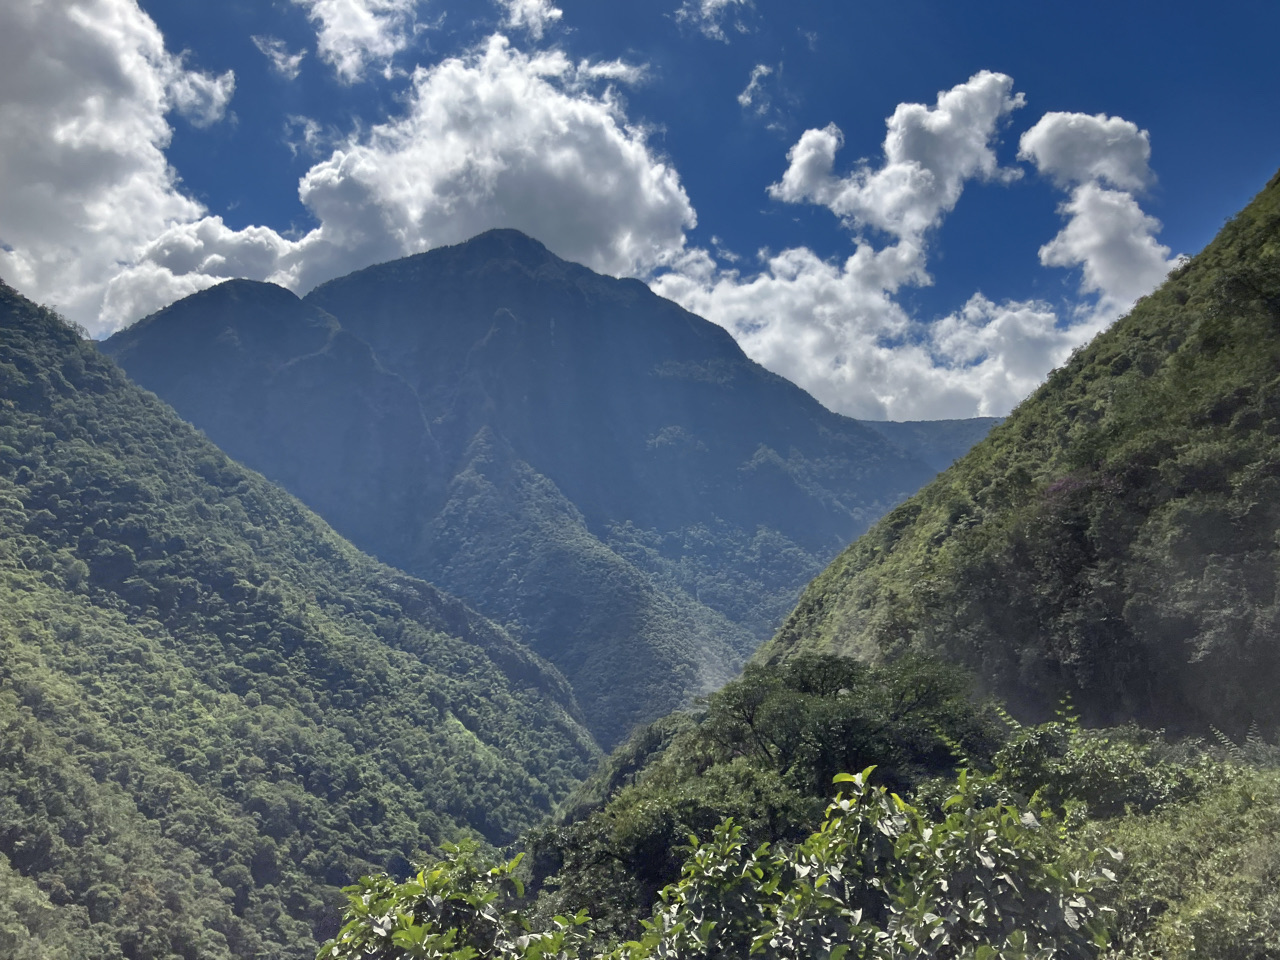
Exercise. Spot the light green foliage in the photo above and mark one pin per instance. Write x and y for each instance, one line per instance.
(1201, 879)
(1097, 773)
(454, 909)
(214, 712)
(878, 880)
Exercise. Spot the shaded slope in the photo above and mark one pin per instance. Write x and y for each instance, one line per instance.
(636, 408)
(1116, 537)
(213, 710)
(276, 382)
(662, 499)
(506, 534)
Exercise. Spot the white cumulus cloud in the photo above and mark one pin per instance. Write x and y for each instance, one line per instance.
(85, 88)
(837, 328)
(351, 35)
(498, 138)
(287, 64)
(1107, 234)
(502, 138)
(532, 16)
(930, 152)
(1113, 242)
(200, 97)
(1075, 148)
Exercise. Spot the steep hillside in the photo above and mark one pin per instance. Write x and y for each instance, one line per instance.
(1116, 537)
(587, 463)
(213, 710)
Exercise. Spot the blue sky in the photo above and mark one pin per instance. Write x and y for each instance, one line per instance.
(914, 210)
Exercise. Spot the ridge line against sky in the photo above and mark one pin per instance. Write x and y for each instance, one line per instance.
(722, 150)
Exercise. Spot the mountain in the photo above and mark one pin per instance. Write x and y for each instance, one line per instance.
(587, 463)
(1116, 537)
(214, 711)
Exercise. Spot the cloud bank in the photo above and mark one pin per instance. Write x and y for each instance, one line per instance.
(837, 329)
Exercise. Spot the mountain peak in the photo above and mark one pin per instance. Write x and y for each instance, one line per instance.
(505, 243)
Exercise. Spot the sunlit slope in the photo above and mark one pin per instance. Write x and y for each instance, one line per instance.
(213, 710)
(1116, 538)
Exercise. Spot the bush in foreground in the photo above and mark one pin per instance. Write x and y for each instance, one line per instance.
(879, 879)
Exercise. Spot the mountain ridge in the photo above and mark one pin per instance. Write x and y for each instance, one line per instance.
(691, 492)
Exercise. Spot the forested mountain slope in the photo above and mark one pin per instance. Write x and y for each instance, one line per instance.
(1116, 537)
(584, 461)
(213, 710)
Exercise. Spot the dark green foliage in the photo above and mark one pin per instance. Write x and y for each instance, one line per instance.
(587, 463)
(214, 711)
(877, 880)
(763, 753)
(1116, 537)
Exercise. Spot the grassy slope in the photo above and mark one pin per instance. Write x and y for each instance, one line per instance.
(213, 710)
(1116, 536)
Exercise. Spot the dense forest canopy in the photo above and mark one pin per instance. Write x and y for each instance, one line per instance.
(214, 711)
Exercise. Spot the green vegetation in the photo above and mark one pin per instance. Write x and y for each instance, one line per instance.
(1116, 537)
(763, 753)
(214, 712)
(1120, 849)
(1056, 841)
(878, 879)
(1202, 879)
